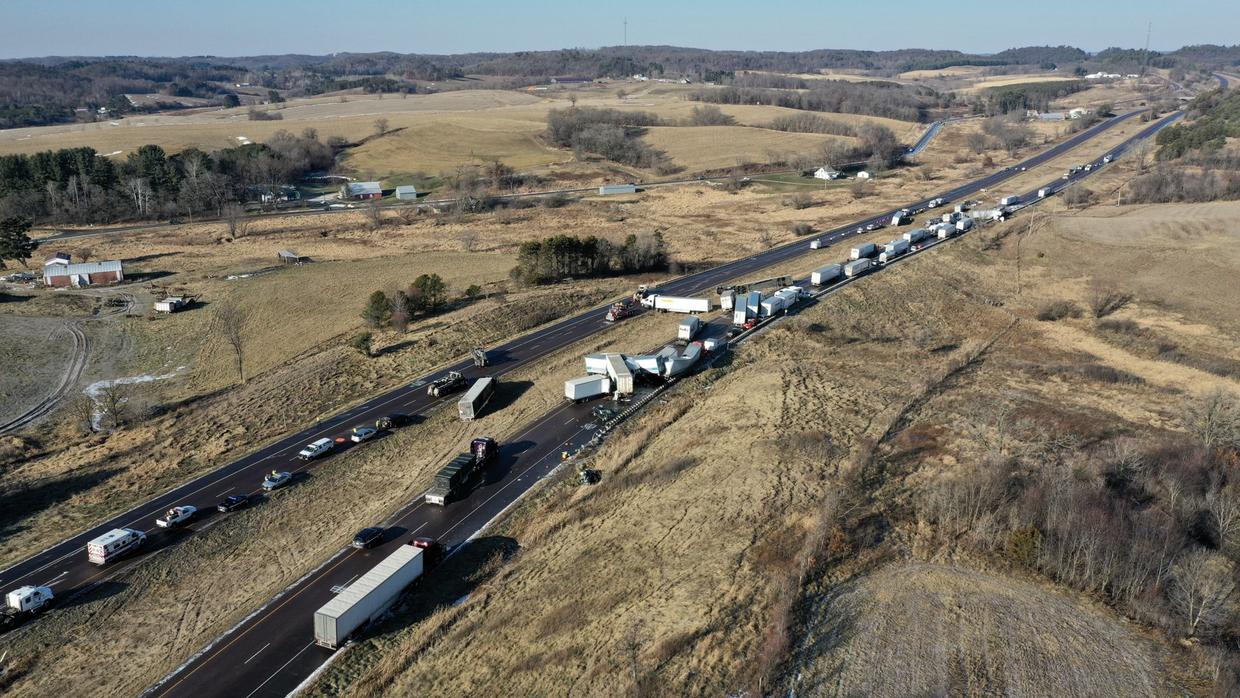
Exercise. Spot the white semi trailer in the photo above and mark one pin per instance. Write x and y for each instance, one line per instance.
(681, 304)
(369, 597)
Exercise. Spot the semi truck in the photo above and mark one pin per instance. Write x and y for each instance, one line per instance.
(114, 544)
(896, 247)
(620, 310)
(688, 328)
(460, 473)
(901, 218)
(753, 304)
(1009, 201)
(727, 299)
(1045, 192)
(586, 387)
(916, 235)
(447, 385)
(373, 593)
(471, 403)
(863, 251)
(857, 267)
(23, 603)
(826, 275)
(618, 371)
(681, 304)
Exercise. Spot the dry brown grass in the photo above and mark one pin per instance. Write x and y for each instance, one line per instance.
(669, 571)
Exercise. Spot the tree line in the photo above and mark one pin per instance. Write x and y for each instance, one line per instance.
(1194, 164)
(78, 185)
(894, 102)
(611, 133)
(568, 256)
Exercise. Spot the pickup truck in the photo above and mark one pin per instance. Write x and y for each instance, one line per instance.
(177, 516)
(316, 449)
(451, 383)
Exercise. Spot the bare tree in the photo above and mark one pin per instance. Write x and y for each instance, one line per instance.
(1141, 153)
(1202, 585)
(85, 253)
(113, 411)
(82, 409)
(381, 126)
(764, 239)
(235, 219)
(468, 239)
(229, 325)
(374, 214)
(1223, 506)
(1106, 300)
(1214, 418)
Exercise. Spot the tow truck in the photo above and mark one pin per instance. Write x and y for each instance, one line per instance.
(23, 603)
(177, 516)
(447, 385)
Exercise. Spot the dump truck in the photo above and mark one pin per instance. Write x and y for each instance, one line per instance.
(586, 387)
(826, 275)
(471, 403)
(23, 603)
(462, 471)
(681, 304)
(864, 251)
(371, 595)
(688, 328)
(857, 267)
(447, 385)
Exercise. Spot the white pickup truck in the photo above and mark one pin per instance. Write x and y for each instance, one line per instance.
(177, 516)
(22, 603)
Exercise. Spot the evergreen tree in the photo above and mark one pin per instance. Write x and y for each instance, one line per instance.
(378, 309)
(15, 243)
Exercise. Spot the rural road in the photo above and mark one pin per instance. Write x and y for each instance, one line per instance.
(272, 651)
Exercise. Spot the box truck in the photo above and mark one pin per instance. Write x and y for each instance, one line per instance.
(857, 267)
(586, 387)
(471, 403)
(826, 274)
(680, 304)
(370, 596)
(688, 328)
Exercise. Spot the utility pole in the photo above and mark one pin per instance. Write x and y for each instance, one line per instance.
(626, 32)
(1145, 66)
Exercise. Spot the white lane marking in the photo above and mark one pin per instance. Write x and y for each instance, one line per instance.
(277, 671)
(260, 649)
(57, 579)
(230, 489)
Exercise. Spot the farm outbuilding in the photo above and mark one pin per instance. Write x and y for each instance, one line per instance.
(291, 257)
(863, 175)
(406, 192)
(171, 304)
(362, 190)
(85, 274)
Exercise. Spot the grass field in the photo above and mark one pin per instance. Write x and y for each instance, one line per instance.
(679, 560)
(1024, 79)
(697, 148)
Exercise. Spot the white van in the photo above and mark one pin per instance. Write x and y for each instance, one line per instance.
(316, 449)
(114, 544)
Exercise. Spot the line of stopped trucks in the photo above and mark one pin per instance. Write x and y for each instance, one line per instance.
(615, 374)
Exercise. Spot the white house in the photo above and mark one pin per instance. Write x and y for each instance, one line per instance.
(827, 173)
(1077, 113)
(863, 175)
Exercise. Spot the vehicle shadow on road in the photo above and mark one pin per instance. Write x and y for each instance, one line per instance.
(507, 393)
(450, 582)
(508, 455)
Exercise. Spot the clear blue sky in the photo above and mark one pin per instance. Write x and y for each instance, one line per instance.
(253, 27)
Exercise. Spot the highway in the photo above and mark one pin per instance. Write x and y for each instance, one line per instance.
(272, 651)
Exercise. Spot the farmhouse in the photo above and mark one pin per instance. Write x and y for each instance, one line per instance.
(827, 173)
(362, 190)
(85, 274)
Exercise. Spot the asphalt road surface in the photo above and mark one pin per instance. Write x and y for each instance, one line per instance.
(273, 651)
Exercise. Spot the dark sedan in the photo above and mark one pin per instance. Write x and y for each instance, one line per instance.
(368, 538)
(233, 503)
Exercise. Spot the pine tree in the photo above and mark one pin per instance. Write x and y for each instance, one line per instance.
(15, 243)
(378, 309)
